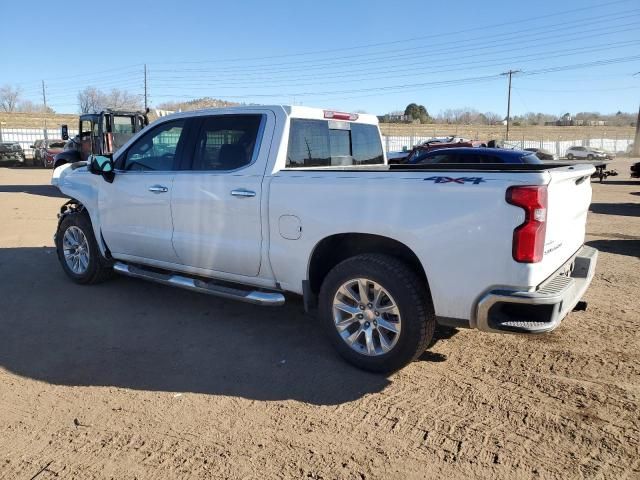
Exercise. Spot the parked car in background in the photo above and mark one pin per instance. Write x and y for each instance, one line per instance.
(585, 152)
(48, 152)
(608, 155)
(37, 145)
(44, 149)
(475, 155)
(12, 152)
(542, 154)
(433, 144)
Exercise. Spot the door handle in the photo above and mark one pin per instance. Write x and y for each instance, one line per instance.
(241, 192)
(158, 189)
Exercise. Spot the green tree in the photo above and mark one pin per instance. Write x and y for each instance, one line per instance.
(417, 112)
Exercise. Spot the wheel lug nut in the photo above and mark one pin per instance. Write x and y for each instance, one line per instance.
(361, 307)
(360, 316)
(377, 314)
(369, 305)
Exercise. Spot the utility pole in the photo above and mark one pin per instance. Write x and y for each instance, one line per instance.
(44, 101)
(146, 103)
(509, 73)
(635, 151)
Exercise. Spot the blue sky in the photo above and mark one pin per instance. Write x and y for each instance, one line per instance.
(375, 56)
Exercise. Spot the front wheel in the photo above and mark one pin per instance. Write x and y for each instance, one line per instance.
(377, 312)
(78, 250)
(589, 157)
(570, 156)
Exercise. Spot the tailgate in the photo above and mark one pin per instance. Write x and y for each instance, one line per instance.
(569, 197)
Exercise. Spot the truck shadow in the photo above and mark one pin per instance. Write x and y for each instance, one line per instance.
(624, 209)
(628, 247)
(134, 334)
(620, 182)
(41, 190)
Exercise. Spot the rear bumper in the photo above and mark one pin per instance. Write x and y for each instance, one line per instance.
(542, 310)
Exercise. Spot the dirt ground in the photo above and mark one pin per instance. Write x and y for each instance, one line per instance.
(130, 379)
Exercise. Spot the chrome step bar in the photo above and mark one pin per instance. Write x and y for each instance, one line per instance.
(249, 296)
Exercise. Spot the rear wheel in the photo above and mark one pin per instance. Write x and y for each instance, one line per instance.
(570, 156)
(589, 157)
(377, 312)
(78, 250)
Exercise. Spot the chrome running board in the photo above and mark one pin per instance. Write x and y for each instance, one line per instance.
(202, 286)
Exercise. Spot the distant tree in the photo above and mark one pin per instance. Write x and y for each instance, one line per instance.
(122, 100)
(27, 106)
(92, 100)
(492, 118)
(417, 112)
(9, 97)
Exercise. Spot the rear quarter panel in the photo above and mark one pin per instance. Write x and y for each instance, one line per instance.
(461, 232)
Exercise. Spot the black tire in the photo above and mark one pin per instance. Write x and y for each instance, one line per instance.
(99, 269)
(411, 296)
(589, 157)
(570, 156)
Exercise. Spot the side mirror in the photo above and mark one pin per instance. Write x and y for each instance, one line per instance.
(101, 165)
(65, 132)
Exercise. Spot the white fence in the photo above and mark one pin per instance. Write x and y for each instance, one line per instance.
(559, 147)
(26, 136)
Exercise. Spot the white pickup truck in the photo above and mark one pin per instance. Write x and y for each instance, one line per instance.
(252, 202)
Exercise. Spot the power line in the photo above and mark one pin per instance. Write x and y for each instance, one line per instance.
(432, 69)
(452, 47)
(405, 40)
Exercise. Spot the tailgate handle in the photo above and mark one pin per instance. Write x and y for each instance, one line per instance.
(580, 180)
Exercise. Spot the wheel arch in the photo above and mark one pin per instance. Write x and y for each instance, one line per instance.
(333, 249)
(76, 206)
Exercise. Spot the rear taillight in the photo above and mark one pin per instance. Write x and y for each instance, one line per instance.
(528, 238)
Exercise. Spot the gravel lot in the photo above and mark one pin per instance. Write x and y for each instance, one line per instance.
(135, 380)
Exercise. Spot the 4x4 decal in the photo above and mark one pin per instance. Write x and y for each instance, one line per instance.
(462, 180)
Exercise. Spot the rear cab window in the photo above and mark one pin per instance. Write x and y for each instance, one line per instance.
(331, 143)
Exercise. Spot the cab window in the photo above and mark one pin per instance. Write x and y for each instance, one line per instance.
(227, 142)
(156, 150)
(322, 143)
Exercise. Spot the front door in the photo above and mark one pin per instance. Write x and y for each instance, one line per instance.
(216, 204)
(135, 210)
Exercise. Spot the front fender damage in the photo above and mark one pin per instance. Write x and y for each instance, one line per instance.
(73, 206)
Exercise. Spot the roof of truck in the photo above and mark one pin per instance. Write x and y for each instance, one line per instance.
(296, 111)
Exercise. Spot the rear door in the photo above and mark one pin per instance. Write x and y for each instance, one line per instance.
(216, 199)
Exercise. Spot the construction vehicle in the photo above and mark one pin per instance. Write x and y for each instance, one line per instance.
(100, 134)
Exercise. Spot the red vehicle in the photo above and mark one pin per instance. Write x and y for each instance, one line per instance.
(52, 149)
